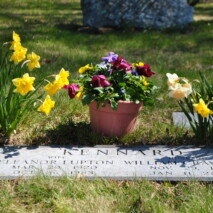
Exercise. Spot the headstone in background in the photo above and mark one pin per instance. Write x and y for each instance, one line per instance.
(167, 163)
(156, 14)
(179, 119)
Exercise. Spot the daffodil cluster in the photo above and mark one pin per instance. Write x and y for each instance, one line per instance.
(194, 99)
(24, 85)
(20, 53)
(180, 88)
(17, 86)
(60, 80)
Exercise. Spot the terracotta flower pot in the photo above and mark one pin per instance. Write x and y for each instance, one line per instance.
(117, 123)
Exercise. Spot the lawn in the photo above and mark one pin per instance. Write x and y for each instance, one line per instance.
(43, 194)
(51, 29)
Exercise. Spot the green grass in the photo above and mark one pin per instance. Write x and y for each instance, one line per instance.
(43, 194)
(48, 27)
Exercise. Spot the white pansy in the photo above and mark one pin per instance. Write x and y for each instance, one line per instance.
(103, 65)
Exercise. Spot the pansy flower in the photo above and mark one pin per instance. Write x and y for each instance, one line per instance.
(110, 58)
(72, 90)
(100, 81)
(84, 69)
(144, 70)
(121, 64)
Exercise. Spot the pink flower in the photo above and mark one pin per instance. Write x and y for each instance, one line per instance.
(145, 70)
(72, 90)
(121, 64)
(100, 81)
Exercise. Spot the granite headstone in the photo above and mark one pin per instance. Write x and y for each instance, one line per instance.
(156, 14)
(142, 162)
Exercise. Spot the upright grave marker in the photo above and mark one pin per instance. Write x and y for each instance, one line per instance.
(149, 162)
(156, 14)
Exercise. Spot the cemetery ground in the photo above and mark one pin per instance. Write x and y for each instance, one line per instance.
(51, 29)
(44, 194)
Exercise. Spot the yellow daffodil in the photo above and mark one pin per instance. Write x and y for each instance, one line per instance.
(16, 37)
(24, 85)
(60, 81)
(16, 43)
(84, 69)
(47, 105)
(80, 93)
(202, 108)
(144, 81)
(19, 55)
(61, 78)
(33, 61)
(52, 88)
(19, 47)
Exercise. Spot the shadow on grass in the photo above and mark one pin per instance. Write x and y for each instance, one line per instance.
(80, 134)
(57, 14)
(40, 5)
(204, 10)
(72, 133)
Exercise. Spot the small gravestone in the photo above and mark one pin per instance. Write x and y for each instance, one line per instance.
(156, 14)
(180, 119)
(143, 162)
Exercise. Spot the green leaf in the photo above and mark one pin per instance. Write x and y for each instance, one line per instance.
(114, 105)
(122, 84)
(99, 89)
(87, 99)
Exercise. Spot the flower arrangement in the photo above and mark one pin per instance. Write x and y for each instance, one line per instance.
(112, 80)
(194, 100)
(18, 88)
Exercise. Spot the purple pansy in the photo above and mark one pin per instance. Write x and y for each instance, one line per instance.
(110, 58)
(100, 81)
(103, 65)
